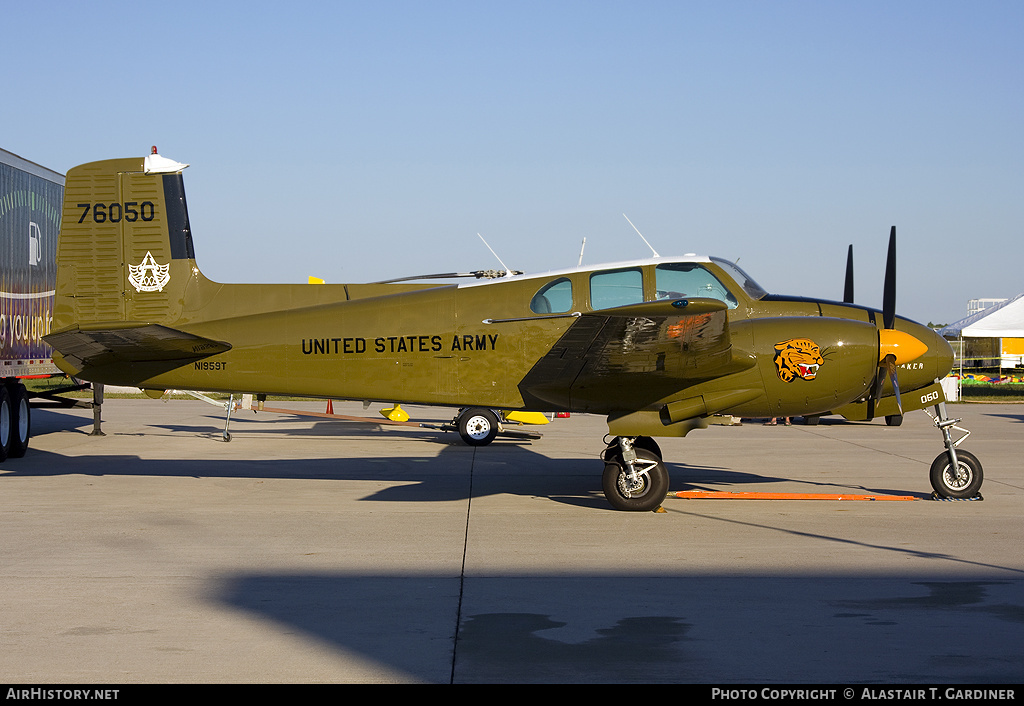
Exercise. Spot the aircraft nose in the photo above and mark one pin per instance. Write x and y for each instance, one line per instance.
(943, 353)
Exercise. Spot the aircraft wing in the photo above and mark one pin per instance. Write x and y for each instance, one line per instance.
(650, 350)
(97, 347)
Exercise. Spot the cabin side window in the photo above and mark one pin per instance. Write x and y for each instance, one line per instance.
(553, 298)
(677, 280)
(613, 288)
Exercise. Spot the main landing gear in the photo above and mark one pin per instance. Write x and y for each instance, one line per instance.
(634, 477)
(954, 474)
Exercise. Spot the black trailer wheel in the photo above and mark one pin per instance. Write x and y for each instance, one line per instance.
(651, 488)
(478, 426)
(6, 427)
(965, 482)
(21, 420)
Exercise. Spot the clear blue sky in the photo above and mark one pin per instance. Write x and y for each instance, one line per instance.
(363, 140)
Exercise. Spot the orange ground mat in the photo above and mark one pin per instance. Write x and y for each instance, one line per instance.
(722, 495)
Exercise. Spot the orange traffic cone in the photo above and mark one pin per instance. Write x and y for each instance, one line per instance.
(330, 407)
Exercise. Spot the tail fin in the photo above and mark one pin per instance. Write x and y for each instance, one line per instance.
(125, 252)
(124, 262)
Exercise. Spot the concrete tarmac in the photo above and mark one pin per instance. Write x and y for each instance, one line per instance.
(308, 550)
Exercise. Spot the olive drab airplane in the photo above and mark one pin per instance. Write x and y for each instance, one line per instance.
(656, 345)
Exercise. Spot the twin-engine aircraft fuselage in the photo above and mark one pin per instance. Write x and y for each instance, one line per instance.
(657, 345)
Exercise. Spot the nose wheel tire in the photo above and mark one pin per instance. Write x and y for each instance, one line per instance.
(964, 482)
(649, 490)
(478, 426)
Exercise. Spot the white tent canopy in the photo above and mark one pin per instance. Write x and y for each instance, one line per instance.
(1004, 320)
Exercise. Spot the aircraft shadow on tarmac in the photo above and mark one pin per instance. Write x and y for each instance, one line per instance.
(1012, 417)
(441, 478)
(507, 466)
(686, 628)
(48, 420)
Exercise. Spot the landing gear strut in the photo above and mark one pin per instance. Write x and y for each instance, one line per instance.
(634, 477)
(230, 406)
(954, 474)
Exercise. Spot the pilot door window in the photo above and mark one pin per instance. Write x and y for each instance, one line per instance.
(678, 280)
(553, 298)
(616, 288)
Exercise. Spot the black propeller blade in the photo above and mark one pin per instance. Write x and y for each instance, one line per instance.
(876, 393)
(848, 289)
(888, 364)
(889, 286)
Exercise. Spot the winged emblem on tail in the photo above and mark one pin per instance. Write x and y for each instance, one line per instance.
(148, 276)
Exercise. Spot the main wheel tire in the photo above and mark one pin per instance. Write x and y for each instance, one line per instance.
(6, 428)
(478, 426)
(964, 483)
(893, 420)
(812, 420)
(21, 420)
(653, 484)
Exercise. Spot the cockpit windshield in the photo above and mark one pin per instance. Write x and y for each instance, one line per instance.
(752, 288)
(675, 280)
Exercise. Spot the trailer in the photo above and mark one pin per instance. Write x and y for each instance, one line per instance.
(31, 201)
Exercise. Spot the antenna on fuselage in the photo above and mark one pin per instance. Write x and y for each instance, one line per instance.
(507, 270)
(580, 263)
(641, 235)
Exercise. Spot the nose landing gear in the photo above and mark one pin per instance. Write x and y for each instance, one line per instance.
(954, 474)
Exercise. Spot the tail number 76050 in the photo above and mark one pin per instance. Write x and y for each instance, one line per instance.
(130, 211)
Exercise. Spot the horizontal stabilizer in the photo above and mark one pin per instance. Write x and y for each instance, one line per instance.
(120, 343)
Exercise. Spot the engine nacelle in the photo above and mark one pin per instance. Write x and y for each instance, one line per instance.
(812, 364)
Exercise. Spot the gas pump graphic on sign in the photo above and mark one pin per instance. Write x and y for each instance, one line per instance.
(35, 244)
